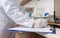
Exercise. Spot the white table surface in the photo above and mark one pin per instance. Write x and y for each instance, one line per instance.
(57, 35)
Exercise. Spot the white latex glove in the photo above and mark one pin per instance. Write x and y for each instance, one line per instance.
(39, 23)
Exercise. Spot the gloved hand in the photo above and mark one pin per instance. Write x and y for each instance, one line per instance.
(39, 23)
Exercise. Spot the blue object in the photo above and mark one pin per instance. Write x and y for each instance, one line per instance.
(46, 14)
(30, 15)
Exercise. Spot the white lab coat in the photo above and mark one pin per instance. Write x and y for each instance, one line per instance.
(9, 16)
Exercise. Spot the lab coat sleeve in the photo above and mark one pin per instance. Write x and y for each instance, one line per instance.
(13, 12)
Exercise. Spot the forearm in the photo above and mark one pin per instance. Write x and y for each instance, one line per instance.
(13, 12)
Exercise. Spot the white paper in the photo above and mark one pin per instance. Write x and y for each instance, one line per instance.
(31, 29)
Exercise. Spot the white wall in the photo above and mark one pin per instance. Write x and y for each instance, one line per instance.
(49, 4)
(42, 7)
